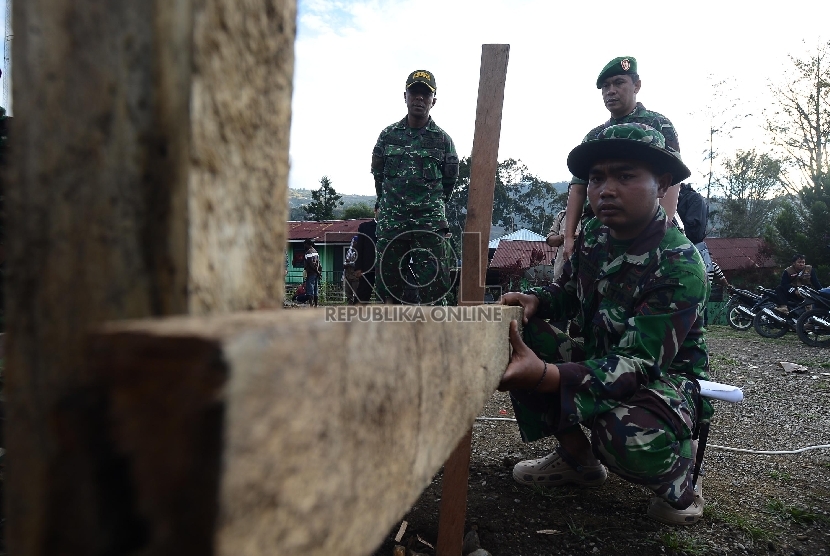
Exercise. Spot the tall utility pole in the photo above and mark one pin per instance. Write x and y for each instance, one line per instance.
(7, 60)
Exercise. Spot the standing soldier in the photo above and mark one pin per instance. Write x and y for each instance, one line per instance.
(415, 168)
(619, 83)
(365, 263)
(313, 272)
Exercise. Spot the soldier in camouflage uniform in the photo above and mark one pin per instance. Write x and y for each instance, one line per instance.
(636, 288)
(415, 167)
(619, 83)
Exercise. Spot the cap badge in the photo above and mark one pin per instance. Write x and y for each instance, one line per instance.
(625, 64)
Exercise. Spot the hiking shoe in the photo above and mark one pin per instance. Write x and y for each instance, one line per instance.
(662, 511)
(553, 470)
(782, 309)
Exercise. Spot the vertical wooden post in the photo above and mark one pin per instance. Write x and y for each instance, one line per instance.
(131, 123)
(474, 268)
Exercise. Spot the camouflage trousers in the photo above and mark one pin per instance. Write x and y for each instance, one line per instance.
(412, 268)
(640, 439)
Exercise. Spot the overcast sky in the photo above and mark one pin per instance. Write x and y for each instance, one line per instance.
(352, 59)
(353, 56)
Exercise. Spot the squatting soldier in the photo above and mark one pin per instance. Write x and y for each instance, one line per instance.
(637, 288)
(619, 83)
(415, 168)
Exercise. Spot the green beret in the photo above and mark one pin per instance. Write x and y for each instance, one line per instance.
(628, 142)
(624, 65)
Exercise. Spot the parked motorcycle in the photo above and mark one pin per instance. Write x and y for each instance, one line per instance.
(813, 326)
(770, 323)
(739, 313)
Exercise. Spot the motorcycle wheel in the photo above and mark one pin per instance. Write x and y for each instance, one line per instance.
(767, 327)
(736, 319)
(813, 333)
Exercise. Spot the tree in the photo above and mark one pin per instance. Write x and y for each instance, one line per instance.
(801, 123)
(358, 210)
(720, 113)
(325, 200)
(522, 200)
(457, 205)
(800, 126)
(749, 182)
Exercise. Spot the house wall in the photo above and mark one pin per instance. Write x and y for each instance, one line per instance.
(331, 258)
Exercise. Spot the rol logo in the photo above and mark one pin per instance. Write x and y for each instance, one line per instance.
(625, 64)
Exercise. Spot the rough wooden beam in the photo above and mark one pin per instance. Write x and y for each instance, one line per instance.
(331, 429)
(492, 79)
(238, 183)
(476, 236)
(132, 123)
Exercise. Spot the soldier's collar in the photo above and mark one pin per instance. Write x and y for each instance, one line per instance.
(637, 106)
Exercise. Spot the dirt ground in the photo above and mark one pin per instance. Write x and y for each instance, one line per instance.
(755, 504)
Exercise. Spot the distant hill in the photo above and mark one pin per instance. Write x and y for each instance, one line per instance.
(299, 197)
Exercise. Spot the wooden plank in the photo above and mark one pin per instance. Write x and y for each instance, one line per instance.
(474, 268)
(279, 433)
(484, 155)
(112, 205)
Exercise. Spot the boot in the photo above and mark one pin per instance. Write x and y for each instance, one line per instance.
(315, 301)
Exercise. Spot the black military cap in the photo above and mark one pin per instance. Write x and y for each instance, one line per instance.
(422, 76)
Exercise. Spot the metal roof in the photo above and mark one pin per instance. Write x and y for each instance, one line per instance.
(521, 235)
(510, 252)
(326, 231)
(733, 253)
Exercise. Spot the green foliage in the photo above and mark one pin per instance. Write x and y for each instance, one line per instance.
(520, 199)
(325, 200)
(713, 512)
(749, 182)
(796, 231)
(457, 205)
(787, 512)
(779, 476)
(359, 210)
(678, 543)
(799, 122)
(800, 125)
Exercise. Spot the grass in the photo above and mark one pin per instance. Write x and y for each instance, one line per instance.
(779, 476)
(786, 512)
(682, 544)
(756, 533)
(578, 530)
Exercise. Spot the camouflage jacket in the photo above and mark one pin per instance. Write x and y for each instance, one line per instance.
(415, 172)
(639, 116)
(641, 314)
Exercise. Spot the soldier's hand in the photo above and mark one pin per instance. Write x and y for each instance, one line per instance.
(568, 247)
(530, 303)
(555, 240)
(358, 273)
(526, 369)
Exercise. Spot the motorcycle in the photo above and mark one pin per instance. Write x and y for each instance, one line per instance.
(813, 326)
(739, 313)
(768, 322)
